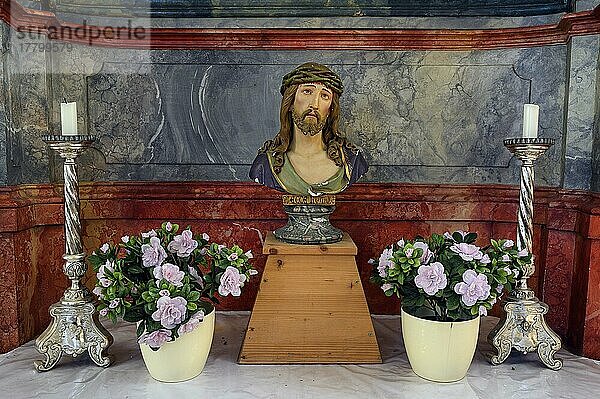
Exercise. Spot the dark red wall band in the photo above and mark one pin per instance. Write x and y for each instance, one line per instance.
(566, 238)
(44, 22)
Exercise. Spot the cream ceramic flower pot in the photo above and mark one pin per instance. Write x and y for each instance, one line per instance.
(439, 351)
(183, 358)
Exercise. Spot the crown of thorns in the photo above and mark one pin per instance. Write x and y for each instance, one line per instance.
(311, 72)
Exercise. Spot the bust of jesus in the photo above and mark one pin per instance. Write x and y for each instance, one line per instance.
(309, 156)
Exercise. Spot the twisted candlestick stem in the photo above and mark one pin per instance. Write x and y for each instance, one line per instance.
(72, 223)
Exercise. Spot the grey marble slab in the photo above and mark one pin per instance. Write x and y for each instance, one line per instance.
(419, 116)
(581, 111)
(595, 185)
(27, 80)
(333, 8)
(423, 117)
(583, 5)
(318, 22)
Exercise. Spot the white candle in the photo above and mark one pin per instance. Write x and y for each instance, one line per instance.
(531, 114)
(68, 119)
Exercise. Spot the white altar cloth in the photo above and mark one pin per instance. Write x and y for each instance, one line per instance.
(519, 377)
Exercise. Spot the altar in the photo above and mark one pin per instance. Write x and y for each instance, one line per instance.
(519, 376)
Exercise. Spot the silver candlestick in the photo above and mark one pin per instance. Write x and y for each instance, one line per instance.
(75, 327)
(523, 326)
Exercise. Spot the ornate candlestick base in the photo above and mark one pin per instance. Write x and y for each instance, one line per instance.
(523, 326)
(308, 220)
(75, 327)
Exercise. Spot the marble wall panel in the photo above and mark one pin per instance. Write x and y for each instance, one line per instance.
(583, 5)
(4, 33)
(333, 8)
(430, 117)
(595, 185)
(28, 80)
(357, 21)
(9, 334)
(581, 111)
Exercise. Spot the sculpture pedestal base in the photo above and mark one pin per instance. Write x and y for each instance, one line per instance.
(308, 224)
(74, 329)
(310, 308)
(523, 327)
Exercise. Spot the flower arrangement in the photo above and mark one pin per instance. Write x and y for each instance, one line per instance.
(447, 277)
(166, 281)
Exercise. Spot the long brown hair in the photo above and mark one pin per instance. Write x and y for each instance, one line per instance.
(332, 138)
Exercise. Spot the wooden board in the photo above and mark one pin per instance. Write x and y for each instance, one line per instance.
(273, 246)
(310, 309)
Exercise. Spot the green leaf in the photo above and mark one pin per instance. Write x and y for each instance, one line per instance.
(134, 314)
(452, 302)
(148, 308)
(192, 306)
(400, 279)
(456, 236)
(470, 238)
(193, 296)
(133, 269)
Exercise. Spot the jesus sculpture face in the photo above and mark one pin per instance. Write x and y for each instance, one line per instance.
(312, 103)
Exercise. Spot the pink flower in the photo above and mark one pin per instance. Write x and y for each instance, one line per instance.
(508, 244)
(104, 312)
(523, 253)
(150, 233)
(505, 258)
(170, 311)
(164, 293)
(482, 311)
(231, 282)
(168, 226)
(101, 275)
(125, 239)
(169, 272)
(232, 257)
(431, 278)
(249, 255)
(183, 244)
(386, 286)
(156, 339)
(485, 259)
(192, 323)
(427, 254)
(385, 261)
(98, 292)
(466, 251)
(473, 288)
(153, 254)
(104, 248)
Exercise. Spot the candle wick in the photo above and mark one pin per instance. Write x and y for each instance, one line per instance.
(64, 100)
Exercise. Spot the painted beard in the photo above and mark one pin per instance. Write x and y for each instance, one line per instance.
(308, 126)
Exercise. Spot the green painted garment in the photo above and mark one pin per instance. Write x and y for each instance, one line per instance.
(294, 184)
